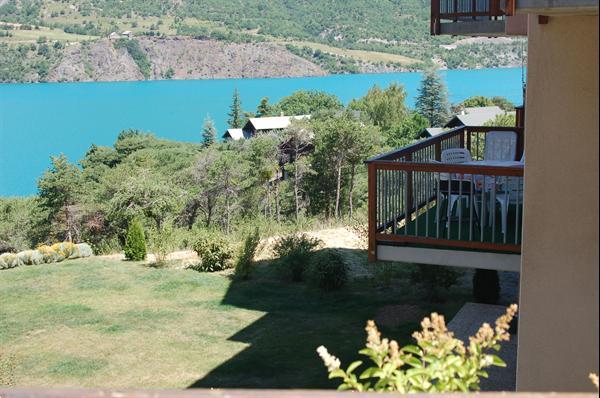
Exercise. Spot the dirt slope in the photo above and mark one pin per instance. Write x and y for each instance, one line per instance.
(187, 58)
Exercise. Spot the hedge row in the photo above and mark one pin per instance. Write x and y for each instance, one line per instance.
(46, 254)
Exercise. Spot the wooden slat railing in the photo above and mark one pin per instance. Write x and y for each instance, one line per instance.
(461, 10)
(254, 393)
(407, 188)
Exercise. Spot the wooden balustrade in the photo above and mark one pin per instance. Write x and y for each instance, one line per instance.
(408, 186)
(461, 10)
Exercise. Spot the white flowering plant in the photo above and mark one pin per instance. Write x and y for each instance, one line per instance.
(438, 362)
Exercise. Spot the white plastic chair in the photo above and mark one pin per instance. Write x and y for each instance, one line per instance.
(500, 145)
(510, 194)
(454, 156)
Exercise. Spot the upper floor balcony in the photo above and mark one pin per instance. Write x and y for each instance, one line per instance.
(453, 199)
(476, 18)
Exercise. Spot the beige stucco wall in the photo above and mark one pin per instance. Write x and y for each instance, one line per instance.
(558, 328)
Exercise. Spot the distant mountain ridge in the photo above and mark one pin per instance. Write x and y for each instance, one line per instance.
(320, 31)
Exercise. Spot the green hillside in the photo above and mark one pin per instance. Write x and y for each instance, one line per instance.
(399, 27)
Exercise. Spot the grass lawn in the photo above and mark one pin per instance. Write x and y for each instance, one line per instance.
(113, 324)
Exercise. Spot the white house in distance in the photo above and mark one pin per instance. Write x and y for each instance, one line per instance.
(258, 125)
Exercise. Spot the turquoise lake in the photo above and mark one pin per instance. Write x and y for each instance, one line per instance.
(39, 120)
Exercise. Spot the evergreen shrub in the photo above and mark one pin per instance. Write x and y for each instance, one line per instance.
(135, 242)
(245, 259)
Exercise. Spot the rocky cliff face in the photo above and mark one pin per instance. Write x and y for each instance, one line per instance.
(180, 58)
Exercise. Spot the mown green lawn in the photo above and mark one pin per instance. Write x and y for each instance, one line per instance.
(107, 323)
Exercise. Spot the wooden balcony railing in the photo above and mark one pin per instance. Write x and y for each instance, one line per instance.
(410, 191)
(463, 10)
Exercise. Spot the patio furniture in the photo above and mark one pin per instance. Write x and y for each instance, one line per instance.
(500, 145)
(453, 185)
(504, 190)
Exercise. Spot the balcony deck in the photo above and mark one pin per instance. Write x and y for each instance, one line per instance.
(409, 192)
(467, 18)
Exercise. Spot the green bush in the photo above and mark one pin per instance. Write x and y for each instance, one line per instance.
(30, 257)
(66, 249)
(162, 243)
(215, 253)
(434, 278)
(50, 255)
(486, 286)
(9, 260)
(245, 259)
(85, 250)
(295, 252)
(135, 242)
(328, 270)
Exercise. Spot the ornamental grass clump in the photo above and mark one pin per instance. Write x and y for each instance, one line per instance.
(437, 363)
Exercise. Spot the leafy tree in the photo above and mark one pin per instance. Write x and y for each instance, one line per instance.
(503, 103)
(504, 119)
(209, 132)
(384, 108)
(406, 131)
(298, 143)
(263, 157)
(235, 111)
(308, 102)
(135, 241)
(476, 101)
(58, 190)
(264, 108)
(432, 101)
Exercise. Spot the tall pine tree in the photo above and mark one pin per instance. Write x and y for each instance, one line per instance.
(432, 101)
(209, 132)
(235, 114)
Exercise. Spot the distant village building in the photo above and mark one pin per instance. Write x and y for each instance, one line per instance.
(114, 36)
(257, 125)
(124, 35)
(128, 34)
(431, 132)
(476, 116)
(234, 134)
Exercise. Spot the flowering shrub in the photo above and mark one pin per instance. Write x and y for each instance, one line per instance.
(438, 363)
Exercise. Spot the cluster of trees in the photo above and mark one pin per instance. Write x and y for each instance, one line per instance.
(311, 170)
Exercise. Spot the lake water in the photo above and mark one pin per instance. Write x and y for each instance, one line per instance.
(39, 120)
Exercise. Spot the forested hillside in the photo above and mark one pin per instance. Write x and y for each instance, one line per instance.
(321, 31)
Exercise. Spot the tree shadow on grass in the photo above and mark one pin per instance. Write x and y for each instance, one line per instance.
(298, 318)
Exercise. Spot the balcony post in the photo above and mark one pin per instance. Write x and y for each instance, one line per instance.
(435, 18)
(372, 208)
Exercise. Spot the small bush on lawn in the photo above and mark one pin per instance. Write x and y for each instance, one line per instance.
(31, 257)
(328, 270)
(245, 259)
(9, 260)
(162, 243)
(486, 286)
(295, 253)
(135, 242)
(439, 362)
(66, 249)
(50, 255)
(85, 250)
(215, 253)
